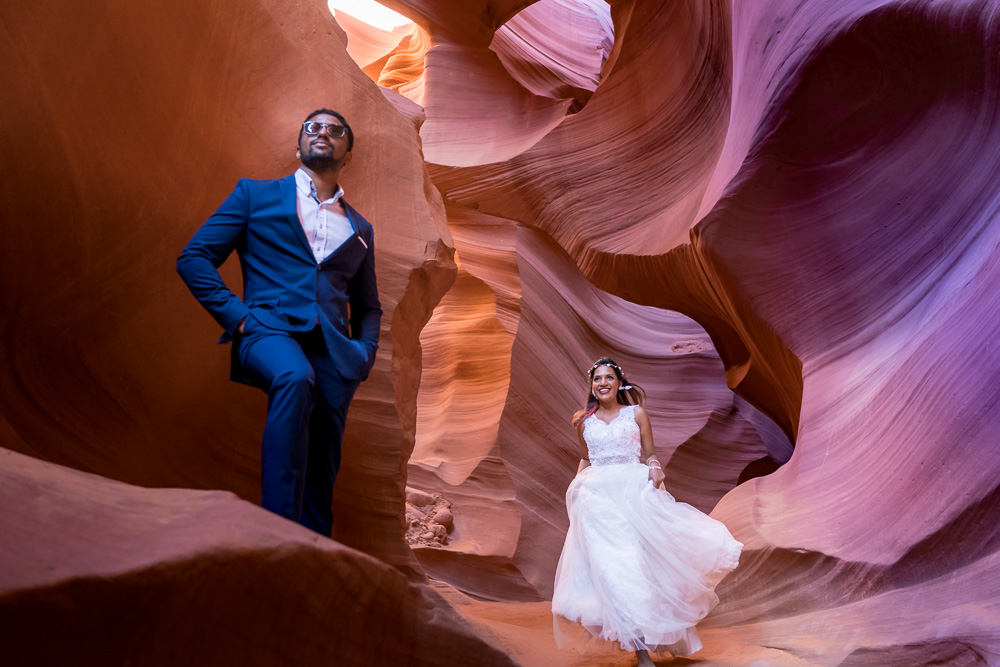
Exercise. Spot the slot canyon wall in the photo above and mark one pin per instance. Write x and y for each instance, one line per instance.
(781, 217)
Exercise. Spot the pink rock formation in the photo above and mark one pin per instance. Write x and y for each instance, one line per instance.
(832, 169)
(811, 184)
(524, 81)
(563, 63)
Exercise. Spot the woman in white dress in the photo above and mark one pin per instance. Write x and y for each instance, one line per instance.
(637, 567)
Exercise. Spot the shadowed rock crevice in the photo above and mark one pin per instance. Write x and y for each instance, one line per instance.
(966, 539)
(972, 535)
(953, 653)
(715, 459)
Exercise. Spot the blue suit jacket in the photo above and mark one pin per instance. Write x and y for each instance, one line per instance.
(283, 285)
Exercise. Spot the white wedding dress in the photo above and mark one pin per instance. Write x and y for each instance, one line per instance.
(637, 566)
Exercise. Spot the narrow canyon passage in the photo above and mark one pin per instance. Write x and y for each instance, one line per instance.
(781, 217)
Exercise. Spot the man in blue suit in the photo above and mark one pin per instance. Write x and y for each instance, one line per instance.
(307, 327)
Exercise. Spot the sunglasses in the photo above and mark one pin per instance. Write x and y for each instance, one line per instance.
(312, 127)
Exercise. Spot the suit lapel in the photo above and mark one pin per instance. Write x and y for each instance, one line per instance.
(289, 206)
(350, 216)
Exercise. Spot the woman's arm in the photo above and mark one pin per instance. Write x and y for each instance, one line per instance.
(584, 453)
(646, 436)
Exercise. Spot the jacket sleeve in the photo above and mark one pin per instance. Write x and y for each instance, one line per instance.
(366, 309)
(206, 251)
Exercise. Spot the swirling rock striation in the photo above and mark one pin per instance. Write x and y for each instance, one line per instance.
(813, 184)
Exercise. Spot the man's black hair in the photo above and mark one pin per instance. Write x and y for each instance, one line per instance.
(338, 116)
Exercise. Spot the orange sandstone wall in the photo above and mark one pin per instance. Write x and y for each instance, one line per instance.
(123, 128)
(796, 199)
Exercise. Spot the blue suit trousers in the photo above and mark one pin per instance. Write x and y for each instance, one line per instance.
(306, 414)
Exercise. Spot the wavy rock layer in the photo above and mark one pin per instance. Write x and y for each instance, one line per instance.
(815, 185)
(563, 63)
(497, 425)
(811, 187)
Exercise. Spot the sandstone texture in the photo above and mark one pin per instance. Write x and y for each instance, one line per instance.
(781, 217)
(125, 128)
(97, 572)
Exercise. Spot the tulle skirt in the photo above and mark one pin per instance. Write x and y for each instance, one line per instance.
(638, 567)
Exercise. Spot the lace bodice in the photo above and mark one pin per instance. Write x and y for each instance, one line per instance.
(617, 442)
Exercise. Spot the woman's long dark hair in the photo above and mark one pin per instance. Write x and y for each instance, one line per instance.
(634, 395)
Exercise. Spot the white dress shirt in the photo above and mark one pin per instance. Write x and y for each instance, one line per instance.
(325, 223)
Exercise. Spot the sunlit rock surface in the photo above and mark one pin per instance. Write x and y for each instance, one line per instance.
(524, 79)
(560, 63)
(369, 45)
(794, 198)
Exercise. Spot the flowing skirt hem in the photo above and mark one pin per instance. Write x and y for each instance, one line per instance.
(585, 638)
(638, 569)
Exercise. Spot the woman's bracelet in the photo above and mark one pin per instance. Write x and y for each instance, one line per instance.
(650, 463)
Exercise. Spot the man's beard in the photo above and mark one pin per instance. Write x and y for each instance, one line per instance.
(321, 161)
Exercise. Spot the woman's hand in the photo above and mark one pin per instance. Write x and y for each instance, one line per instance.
(657, 477)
